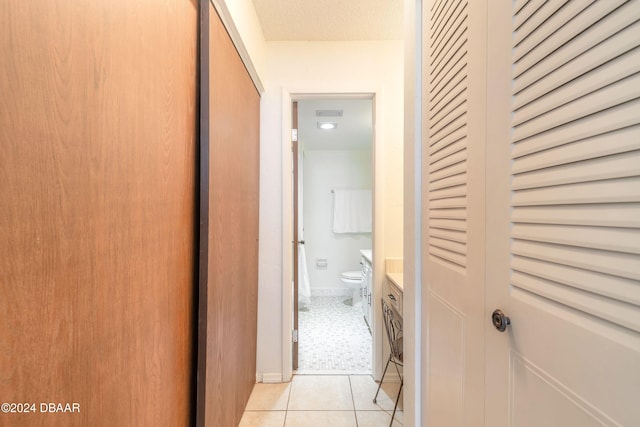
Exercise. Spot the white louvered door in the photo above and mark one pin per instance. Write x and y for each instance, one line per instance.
(454, 81)
(563, 213)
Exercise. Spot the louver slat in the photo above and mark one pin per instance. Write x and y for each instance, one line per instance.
(565, 92)
(576, 158)
(608, 191)
(452, 235)
(518, 5)
(452, 144)
(548, 10)
(627, 139)
(599, 100)
(605, 262)
(598, 215)
(607, 238)
(611, 120)
(563, 45)
(452, 159)
(455, 140)
(459, 214)
(594, 282)
(597, 169)
(447, 133)
(455, 29)
(610, 309)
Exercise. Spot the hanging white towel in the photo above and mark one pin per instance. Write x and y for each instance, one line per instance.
(352, 211)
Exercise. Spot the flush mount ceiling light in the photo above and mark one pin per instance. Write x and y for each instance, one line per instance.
(327, 125)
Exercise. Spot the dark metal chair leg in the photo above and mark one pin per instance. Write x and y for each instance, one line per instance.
(393, 415)
(393, 327)
(381, 379)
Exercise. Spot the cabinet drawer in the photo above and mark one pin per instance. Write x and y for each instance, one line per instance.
(394, 296)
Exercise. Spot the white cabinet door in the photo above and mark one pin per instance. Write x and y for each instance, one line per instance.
(563, 214)
(454, 164)
(365, 288)
(367, 297)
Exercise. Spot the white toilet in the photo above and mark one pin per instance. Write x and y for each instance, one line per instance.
(353, 280)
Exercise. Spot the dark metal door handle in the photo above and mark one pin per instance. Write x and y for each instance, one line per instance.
(301, 242)
(500, 321)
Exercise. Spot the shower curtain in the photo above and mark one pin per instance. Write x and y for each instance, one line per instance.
(304, 288)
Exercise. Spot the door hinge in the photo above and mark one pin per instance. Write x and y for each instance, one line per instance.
(294, 135)
(294, 335)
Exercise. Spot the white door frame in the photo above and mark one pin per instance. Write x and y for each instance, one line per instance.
(414, 334)
(289, 95)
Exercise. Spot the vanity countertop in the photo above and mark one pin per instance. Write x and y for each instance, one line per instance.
(396, 278)
(368, 254)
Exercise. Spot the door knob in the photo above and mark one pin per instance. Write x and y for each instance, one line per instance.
(500, 321)
(301, 242)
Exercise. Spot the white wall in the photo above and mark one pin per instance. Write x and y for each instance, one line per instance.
(241, 21)
(325, 67)
(323, 171)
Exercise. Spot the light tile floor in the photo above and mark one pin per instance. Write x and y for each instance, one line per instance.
(323, 400)
(333, 338)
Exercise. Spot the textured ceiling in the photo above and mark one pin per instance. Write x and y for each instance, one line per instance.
(330, 20)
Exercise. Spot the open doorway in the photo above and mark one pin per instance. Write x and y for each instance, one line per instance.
(333, 234)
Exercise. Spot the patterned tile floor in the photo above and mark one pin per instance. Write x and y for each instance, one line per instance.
(333, 338)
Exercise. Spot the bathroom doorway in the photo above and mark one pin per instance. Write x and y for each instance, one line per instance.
(333, 233)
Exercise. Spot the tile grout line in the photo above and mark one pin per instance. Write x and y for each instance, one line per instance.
(353, 400)
(354, 410)
(286, 409)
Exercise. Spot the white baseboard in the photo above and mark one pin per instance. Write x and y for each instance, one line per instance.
(331, 292)
(268, 378)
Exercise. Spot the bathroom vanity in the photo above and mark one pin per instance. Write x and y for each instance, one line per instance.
(394, 287)
(395, 290)
(366, 262)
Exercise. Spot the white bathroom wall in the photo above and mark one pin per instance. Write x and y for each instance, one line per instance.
(323, 171)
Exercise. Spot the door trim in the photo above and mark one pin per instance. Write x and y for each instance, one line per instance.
(200, 365)
(415, 372)
(227, 20)
(288, 96)
(295, 146)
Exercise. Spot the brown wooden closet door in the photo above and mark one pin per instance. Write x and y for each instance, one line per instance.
(230, 279)
(97, 208)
